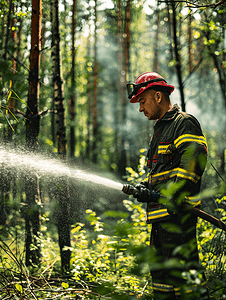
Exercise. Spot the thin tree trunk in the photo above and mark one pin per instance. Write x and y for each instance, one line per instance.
(13, 69)
(122, 79)
(117, 113)
(127, 38)
(43, 41)
(72, 100)
(4, 193)
(156, 44)
(62, 193)
(7, 177)
(7, 180)
(95, 71)
(189, 43)
(218, 63)
(5, 46)
(89, 114)
(13, 39)
(18, 53)
(57, 81)
(221, 74)
(32, 218)
(177, 56)
(170, 33)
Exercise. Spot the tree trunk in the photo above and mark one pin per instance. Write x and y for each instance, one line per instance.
(127, 38)
(5, 183)
(18, 53)
(89, 95)
(95, 71)
(57, 81)
(122, 67)
(5, 46)
(156, 44)
(32, 219)
(170, 33)
(217, 62)
(176, 49)
(43, 41)
(13, 69)
(189, 43)
(72, 100)
(62, 193)
(221, 74)
(7, 177)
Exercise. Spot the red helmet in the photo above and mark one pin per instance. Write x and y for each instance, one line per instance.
(145, 81)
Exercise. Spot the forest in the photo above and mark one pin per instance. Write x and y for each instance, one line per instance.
(70, 138)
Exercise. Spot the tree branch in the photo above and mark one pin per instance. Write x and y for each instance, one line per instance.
(193, 5)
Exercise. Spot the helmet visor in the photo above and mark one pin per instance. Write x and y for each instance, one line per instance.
(133, 89)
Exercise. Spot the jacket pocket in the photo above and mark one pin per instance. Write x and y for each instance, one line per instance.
(165, 151)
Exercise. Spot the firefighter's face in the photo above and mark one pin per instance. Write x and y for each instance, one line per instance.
(150, 104)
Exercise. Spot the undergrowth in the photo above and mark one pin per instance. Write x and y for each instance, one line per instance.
(107, 262)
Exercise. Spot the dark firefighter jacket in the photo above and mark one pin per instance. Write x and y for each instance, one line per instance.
(177, 152)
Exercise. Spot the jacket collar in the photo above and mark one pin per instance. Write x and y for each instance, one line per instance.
(169, 115)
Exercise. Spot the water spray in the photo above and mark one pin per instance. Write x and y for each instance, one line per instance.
(40, 164)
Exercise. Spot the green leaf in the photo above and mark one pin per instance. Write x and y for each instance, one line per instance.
(19, 287)
(196, 34)
(65, 285)
(17, 97)
(116, 214)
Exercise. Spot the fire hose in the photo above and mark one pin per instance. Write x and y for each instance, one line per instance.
(131, 190)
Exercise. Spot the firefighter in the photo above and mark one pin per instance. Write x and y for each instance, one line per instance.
(176, 158)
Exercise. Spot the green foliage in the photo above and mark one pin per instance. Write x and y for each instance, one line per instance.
(211, 246)
(137, 176)
(110, 256)
(113, 261)
(110, 260)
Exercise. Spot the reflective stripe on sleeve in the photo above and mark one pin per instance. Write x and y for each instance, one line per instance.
(157, 213)
(177, 172)
(194, 201)
(190, 138)
(170, 288)
(162, 287)
(163, 149)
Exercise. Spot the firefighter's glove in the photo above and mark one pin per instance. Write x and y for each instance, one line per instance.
(145, 195)
(142, 185)
(142, 193)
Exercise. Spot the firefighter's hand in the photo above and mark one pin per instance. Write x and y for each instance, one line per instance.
(145, 195)
(142, 185)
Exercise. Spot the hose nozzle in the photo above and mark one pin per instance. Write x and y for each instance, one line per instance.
(129, 189)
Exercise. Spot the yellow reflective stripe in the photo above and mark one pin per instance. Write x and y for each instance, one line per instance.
(170, 288)
(190, 138)
(162, 287)
(190, 289)
(179, 172)
(160, 213)
(188, 175)
(146, 179)
(162, 149)
(193, 200)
